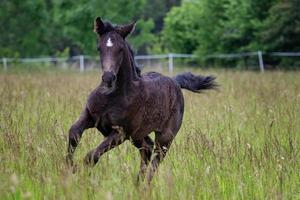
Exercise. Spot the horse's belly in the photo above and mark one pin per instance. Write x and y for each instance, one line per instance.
(148, 120)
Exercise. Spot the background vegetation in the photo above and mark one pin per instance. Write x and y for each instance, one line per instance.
(201, 27)
(38, 27)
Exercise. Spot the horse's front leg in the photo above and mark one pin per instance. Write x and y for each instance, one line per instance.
(84, 122)
(115, 138)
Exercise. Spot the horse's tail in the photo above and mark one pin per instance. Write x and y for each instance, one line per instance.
(195, 83)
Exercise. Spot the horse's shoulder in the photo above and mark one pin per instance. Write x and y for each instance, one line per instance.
(95, 100)
(95, 94)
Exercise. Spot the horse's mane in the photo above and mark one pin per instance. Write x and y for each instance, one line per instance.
(137, 69)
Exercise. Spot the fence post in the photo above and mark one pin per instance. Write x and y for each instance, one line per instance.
(170, 55)
(261, 61)
(81, 63)
(4, 60)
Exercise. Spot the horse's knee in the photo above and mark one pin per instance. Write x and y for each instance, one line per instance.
(161, 148)
(145, 143)
(145, 147)
(149, 142)
(163, 141)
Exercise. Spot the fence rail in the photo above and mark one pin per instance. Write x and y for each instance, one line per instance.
(169, 57)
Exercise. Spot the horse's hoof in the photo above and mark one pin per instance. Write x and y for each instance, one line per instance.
(89, 159)
(138, 181)
(69, 160)
(140, 178)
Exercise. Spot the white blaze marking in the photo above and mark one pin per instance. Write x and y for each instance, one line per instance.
(109, 43)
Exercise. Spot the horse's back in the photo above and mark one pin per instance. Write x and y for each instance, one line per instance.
(150, 76)
(157, 83)
(158, 80)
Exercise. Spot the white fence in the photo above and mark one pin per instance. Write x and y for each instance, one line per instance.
(82, 58)
(259, 55)
(169, 58)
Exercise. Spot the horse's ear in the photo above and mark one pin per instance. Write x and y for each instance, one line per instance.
(125, 30)
(99, 26)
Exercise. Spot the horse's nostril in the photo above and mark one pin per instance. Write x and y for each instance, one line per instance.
(108, 77)
(114, 77)
(104, 79)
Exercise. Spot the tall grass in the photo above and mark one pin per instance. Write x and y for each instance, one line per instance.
(241, 142)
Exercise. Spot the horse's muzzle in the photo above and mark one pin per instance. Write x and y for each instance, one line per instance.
(109, 78)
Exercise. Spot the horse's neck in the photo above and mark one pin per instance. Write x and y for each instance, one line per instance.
(127, 74)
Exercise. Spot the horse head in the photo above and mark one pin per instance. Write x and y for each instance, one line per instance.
(111, 46)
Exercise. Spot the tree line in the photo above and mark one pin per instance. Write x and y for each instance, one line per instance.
(51, 27)
(206, 27)
(201, 27)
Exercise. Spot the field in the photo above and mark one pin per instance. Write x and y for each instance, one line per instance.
(241, 142)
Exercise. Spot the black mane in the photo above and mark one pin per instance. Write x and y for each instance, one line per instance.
(137, 69)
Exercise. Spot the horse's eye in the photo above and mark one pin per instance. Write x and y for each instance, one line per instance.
(98, 49)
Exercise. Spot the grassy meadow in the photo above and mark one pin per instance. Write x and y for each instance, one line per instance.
(241, 142)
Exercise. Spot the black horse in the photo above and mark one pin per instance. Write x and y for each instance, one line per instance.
(128, 105)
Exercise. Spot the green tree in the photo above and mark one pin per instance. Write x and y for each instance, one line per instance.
(24, 25)
(74, 21)
(281, 30)
(143, 38)
(241, 24)
(37, 27)
(195, 25)
(181, 28)
(211, 30)
(157, 10)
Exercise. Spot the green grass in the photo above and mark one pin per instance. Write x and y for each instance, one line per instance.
(242, 142)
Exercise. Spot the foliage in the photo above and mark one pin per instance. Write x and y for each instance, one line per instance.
(157, 9)
(201, 27)
(207, 27)
(144, 38)
(24, 27)
(242, 19)
(281, 30)
(31, 28)
(181, 28)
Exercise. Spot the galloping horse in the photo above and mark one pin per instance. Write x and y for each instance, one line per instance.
(129, 106)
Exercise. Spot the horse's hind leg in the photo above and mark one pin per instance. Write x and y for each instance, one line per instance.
(145, 147)
(163, 142)
(84, 122)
